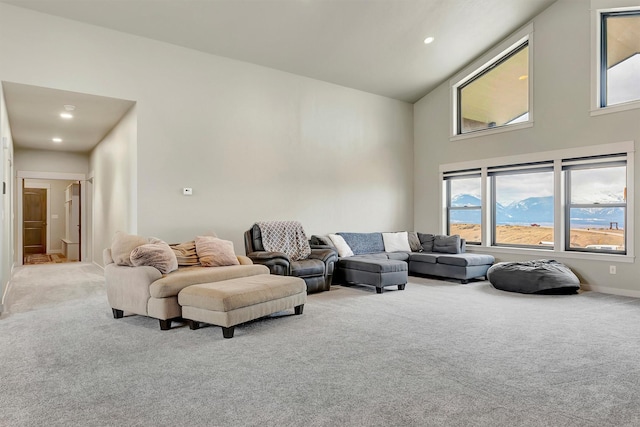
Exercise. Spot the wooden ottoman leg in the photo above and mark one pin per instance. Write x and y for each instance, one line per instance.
(401, 287)
(299, 309)
(378, 290)
(117, 314)
(228, 332)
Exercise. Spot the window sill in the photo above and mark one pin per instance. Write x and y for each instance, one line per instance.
(616, 108)
(547, 254)
(493, 131)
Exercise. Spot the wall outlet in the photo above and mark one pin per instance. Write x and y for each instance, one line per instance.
(612, 269)
(187, 191)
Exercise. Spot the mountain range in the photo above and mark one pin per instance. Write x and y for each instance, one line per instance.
(536, 210)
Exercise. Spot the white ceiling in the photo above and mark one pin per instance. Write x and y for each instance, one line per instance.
(34, 117)
(371, 45)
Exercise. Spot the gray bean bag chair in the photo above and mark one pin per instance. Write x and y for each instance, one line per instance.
(529, 277)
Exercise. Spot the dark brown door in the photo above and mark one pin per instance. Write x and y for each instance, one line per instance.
(34, 208)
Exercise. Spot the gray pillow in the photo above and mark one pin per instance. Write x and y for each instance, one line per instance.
(447, 244)
(414, 241)
(321, 240)
(426, 241)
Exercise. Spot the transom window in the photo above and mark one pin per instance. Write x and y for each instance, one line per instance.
(498, 96)
(619, 57)
(494, 93)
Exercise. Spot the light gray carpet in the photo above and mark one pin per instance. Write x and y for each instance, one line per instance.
(437, 354)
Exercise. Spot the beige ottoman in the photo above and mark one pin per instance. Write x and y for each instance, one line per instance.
(231, 302)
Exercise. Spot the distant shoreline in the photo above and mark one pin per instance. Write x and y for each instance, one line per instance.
(528, 235)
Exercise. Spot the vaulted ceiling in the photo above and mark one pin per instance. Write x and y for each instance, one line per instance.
(370, 45)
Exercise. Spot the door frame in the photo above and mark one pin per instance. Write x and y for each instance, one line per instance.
(20, 175)
(46, 186)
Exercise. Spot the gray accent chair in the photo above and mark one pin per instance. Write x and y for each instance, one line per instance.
(316, 270)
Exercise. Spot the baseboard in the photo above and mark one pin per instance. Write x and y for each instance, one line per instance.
(613, 291)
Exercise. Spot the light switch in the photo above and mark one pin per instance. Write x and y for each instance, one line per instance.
(187, 191)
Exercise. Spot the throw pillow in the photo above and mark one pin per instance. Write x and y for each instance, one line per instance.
(414, 241)
(343, 249)
(186, 253)
(447, 244)
(320, 240)
(426, 241)
(122, 246)
(214, 252)
(396, 242)
(157, 254)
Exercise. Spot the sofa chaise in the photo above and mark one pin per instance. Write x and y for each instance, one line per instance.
(423, 254)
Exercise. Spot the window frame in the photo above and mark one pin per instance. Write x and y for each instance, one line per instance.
(558, 159)
(483, 64)
(598, 68)
(607, 161)
(521, 169)
(448, 178)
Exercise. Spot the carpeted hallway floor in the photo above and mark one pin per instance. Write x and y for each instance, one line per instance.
(437, 354)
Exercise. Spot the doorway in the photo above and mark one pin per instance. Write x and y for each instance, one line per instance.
(64, 218)
(34, 222)
(51, 208)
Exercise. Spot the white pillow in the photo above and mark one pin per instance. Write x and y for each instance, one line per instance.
(343, 248)
(396, 242)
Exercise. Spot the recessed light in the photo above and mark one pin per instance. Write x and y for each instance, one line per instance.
(69, 107)
(58, 140)
(429, 40)
(66, 115)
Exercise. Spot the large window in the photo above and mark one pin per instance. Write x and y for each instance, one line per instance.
(464, 206)
(523, 205)
(573, 200)
(619, 57)
(596, 205)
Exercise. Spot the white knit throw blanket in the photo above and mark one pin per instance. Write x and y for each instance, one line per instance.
(285, 236)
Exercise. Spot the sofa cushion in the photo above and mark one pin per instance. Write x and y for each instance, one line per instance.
(396, 242)
(343, 248)
(426, 241)
(123, 244)
(373, 265)
(447, 244)
(427, 257)
(172, 283)
(414, 241)
(157, 254)
(398, 256)
(214, 252)
(364, 243)
(466, 259)
(307, 268)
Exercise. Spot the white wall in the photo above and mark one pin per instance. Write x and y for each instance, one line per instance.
(253, 143)
(562, 90)
(6, 200)
(114, 186)
(51, 161)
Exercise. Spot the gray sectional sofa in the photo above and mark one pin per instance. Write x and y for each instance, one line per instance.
(423, 254)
